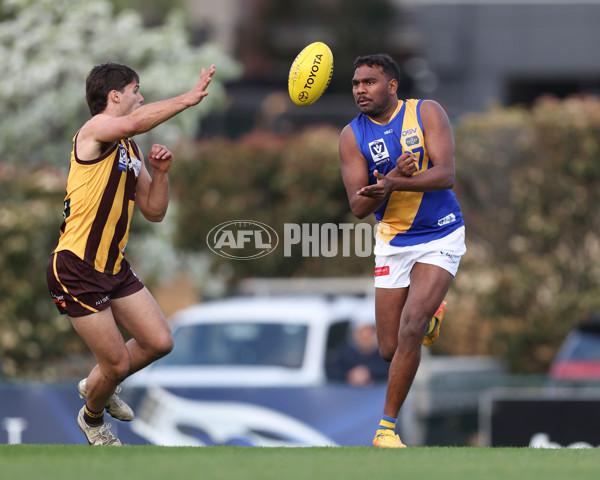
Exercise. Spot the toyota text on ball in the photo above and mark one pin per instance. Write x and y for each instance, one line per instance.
(313, 71)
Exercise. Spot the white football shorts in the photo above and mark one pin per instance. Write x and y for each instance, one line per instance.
(393, 265)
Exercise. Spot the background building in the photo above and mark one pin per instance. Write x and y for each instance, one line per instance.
(465, 54)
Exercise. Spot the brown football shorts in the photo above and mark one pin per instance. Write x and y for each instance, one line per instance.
(78, 289)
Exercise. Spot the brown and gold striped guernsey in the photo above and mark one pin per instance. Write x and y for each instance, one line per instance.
(99, 204)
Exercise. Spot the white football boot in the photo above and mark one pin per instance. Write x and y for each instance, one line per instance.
(100, 435)
(116, 407)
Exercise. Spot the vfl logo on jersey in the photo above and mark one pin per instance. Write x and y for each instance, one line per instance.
(122, 159)
(379, 152)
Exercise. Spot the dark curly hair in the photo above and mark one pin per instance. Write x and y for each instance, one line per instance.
(389, 66)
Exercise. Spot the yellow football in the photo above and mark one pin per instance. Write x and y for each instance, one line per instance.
(310, 74)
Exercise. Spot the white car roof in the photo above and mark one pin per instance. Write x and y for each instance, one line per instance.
(308, 309)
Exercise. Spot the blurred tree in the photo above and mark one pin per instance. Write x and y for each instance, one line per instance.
(528, 183)
(31, 331)
(47, 48)
(270, 179)
(153, 13)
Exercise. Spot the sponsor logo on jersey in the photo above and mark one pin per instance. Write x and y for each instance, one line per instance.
(446, 220)
(410, 141)
(126, 162)
(135, 165)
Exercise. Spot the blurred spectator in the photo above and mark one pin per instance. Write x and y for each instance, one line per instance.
(357, 361)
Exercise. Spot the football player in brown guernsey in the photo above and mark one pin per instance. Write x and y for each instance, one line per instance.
(88, 276)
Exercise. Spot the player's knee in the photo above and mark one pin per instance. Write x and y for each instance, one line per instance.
(167, 346)
(387, 355)
(163, 346)
(387, 349)
(412, 330)
(118, 372)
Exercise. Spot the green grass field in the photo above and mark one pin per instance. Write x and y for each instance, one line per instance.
(65, 462)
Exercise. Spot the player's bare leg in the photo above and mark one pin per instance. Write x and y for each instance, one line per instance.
(402, 319)
(100, 332)
(141, 317)
(151, 339)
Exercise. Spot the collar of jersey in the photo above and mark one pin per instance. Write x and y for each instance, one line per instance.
(392, 117)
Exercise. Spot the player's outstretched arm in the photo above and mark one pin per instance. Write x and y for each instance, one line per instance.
(107, 128)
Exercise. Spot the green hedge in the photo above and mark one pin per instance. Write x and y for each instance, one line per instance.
(527, 180)
(270, 179)
(32, 334)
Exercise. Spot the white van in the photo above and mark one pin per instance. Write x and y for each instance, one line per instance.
(260, 341)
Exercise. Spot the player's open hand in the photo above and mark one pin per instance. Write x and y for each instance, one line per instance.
(199, 91)
(379, 190)
(160, 158)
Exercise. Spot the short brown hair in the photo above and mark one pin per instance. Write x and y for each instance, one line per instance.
(104, 78)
